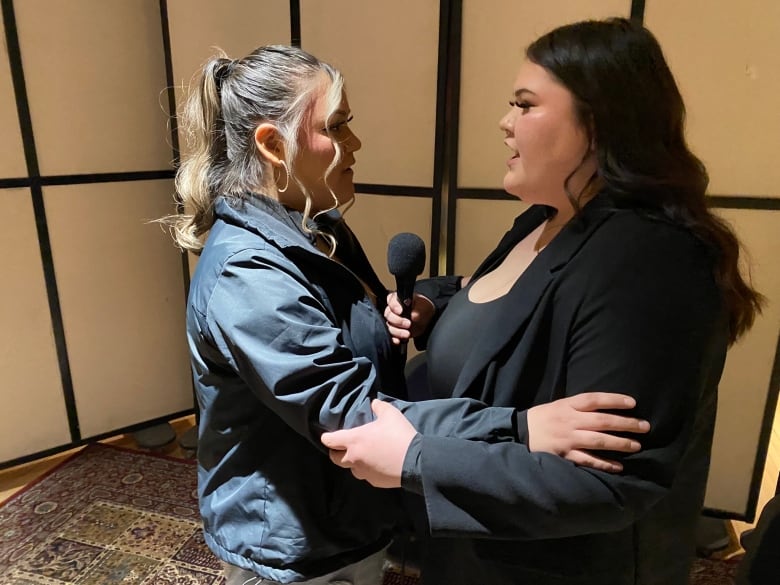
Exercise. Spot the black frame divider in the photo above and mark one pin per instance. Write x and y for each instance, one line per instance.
(454, 35)
(295, 23)
(638, 10)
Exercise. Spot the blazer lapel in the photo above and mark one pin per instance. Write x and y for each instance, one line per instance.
(524, 296)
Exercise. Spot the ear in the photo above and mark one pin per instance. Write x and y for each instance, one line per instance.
(269, 143)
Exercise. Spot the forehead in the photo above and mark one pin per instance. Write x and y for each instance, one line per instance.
(537, 79)
(320, 104)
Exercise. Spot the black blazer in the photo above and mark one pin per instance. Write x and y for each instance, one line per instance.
(618, 302)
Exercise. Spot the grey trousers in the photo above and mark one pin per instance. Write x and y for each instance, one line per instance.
(365, 572)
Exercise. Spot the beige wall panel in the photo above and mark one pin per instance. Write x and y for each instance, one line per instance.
(728, 69)
(494, 44)
(375, 219)
(11, 149)
(236, 26)
(33, 415)
(745, 382)
(388, 53)
(95, 70)
(122, 298)
(480, 224)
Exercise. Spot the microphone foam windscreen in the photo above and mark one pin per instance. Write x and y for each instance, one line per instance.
(406, 255)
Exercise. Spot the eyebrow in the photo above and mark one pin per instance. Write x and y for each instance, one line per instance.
(523, 90)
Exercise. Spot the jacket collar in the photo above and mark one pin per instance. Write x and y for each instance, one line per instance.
(281, 226)
(501, 327)
(273, 221)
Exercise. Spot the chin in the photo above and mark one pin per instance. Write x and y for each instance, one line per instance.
(513, 190)
(345, 196)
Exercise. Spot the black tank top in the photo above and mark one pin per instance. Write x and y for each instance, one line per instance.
(454, 337)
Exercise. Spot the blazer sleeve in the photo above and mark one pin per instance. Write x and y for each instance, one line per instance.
(648, 324)
(289, 351)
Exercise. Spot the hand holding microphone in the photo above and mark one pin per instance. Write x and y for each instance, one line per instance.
(405, 260)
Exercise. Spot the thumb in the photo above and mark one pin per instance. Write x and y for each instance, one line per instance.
(380, 407)
(334, 440)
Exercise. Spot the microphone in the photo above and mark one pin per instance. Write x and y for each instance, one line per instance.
(405, 260)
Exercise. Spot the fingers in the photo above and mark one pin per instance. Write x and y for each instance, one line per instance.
(334, 439)
(603, 442)
(396, 320)
(381, 408)
(602, 421)
(590, 401)
(398, 327)
(584, 459)
(393, 303)
(337, 457)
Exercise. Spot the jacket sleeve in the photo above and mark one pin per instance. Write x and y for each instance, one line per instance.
(648, 324)
(288, 349)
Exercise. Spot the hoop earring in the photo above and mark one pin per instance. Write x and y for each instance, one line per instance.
(287, 183)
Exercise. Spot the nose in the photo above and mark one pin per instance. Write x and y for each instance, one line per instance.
(505, 123)
(353, 142)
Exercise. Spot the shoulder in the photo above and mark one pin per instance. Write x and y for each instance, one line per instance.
(237, 264)
(633, 251)
(631, 235)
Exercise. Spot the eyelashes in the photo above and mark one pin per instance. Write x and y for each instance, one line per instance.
(521, 104)
(338, 126)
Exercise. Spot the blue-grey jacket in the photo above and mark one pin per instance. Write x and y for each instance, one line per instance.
(285, 344)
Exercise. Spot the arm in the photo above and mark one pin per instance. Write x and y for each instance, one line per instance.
(286, 346)
(288, 349)
(377, 451)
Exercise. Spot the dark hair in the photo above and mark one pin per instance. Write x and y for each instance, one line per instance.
(627, 99)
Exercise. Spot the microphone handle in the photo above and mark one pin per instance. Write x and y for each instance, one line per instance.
(405, 291)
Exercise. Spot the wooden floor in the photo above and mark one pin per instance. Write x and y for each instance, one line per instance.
(15, 478)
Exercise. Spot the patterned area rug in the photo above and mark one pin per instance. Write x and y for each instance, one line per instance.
(107, 515)
(113, 516)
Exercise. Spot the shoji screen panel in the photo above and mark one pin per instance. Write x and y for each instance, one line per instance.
(121, 294)
(727, 67)
(32, 416)
(375, 219)
(480, 225)
(494, 44)
(12, 163)
(236, 26)
(743, 389)
(388, 53)
(103, 291)
(95, 72)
